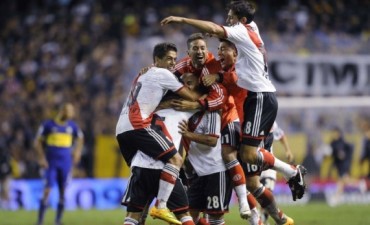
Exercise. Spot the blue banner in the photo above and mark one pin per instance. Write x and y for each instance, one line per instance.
(80, 193)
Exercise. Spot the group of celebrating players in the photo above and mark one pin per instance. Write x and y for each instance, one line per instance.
(210, 120)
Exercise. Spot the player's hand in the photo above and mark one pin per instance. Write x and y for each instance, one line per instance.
(76, 160)
(43, 163)
(183, 127)
(289, 156)
(209, 79)
(208, 35)
(171, 19)
(184, 105)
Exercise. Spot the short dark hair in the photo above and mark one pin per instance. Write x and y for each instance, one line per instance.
(242, 9)
(229, 43)
(161, 49)
(193, 37)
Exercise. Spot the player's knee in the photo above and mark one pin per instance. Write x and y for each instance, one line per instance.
(249, 157)
(253, 184)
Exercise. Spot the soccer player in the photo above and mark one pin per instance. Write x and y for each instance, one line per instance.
(227, 55)
(210, 191)
(135, 131)
(201, 62)
(58, 145)
(260, 108)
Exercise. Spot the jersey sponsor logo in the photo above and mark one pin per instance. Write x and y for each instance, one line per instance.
(63, 140)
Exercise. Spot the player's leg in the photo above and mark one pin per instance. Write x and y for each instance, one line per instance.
(230, 142)
(167, 153)
(141, 189)
(255, 216)
(268, 179)
(260, 111)
(267, 201)
(217, 196)
(49, 179)
(178, 204)
(130, 199)
(153, 142)
(63, 176)
(196, 198)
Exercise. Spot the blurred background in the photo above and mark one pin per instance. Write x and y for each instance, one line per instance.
(88, 51)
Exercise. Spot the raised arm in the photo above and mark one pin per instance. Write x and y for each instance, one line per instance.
(205, 26)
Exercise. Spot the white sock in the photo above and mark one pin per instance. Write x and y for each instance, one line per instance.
(166, 187)
(241, 192)
(286, 169)
(255, 217)
(130, 221)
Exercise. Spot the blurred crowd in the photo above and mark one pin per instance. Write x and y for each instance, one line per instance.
(87, 52)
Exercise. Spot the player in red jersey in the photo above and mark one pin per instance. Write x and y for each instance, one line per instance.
(201, 63)
(260, 108)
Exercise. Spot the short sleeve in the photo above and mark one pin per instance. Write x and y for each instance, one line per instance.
(42, 131)
(169, 81)
(238, 34)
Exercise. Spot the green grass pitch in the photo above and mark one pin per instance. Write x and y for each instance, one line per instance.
(311, 214)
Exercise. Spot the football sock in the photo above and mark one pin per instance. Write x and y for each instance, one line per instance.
(187, 220)
(60, 210)
(202, 221)
(166, 183)
(130, 221)
(216, 222)
(255, 218)
(251, 201)
(238, 178)
(266, 160)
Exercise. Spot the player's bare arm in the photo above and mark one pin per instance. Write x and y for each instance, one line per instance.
(40, 153)
(187, 94)
(288, 153)
(78, 150)
(199, 138)
(205, 26)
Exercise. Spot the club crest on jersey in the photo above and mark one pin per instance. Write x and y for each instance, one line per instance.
(69, 130)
